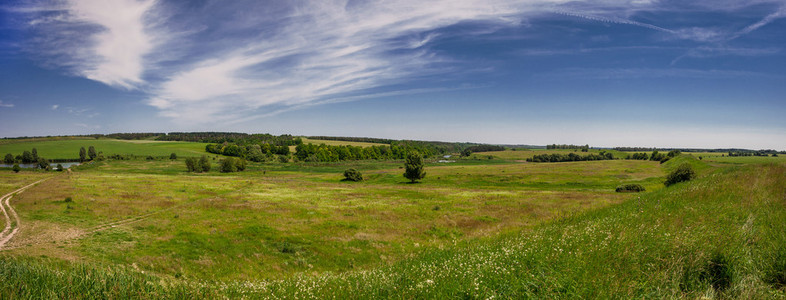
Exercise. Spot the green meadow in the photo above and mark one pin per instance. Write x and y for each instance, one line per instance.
(474, 228)
(69, 148)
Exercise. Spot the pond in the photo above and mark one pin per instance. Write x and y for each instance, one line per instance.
(66, 165)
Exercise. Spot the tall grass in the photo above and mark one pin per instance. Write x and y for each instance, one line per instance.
(718, 236)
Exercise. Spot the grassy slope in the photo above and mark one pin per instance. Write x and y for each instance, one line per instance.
(69, 148)
(660, 244)
(237, 226)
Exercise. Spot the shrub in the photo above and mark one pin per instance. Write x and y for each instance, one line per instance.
(352, 175)
(68, 200)
(204, 164)
(173, 156)
(16, 168)
(630, 188)
(59, 167)
(228, 165)
(683, 173)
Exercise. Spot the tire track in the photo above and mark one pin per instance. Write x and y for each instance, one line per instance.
(5, 203)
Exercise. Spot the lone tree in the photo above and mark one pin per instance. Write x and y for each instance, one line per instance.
(683, 173)
(82, 154)
(17, 168)
(92, 152)
(35, 154)
(413, 168)
(9, 159)
(173, 156)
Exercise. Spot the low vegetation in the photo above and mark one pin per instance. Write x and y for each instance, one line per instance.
(684, 172)
(352, 175)
(630, 188)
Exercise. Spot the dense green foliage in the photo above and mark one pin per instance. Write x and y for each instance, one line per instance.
(253, 152)
(231, 164)
(82, 154)
(352, 175)
(16, 168)
(684, 172)
(630, 187)
(242, 139)
(198, 165)
(558, 157)
(584, 148)
(413, 167)
(91, 152)
(9, 158)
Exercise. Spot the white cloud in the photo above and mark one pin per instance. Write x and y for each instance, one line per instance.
(54, 107)
(3, 104)
(103, 40)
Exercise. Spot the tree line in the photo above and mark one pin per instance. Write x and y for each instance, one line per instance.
(238, 138)
(584, 148)
(559, 157)
(254, 152)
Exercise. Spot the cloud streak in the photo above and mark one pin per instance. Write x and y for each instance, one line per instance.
(199, 63)
(102, 40)
(6, 105)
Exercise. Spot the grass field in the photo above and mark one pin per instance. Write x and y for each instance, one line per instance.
(340, 143)
(471, 229)
(69, 148)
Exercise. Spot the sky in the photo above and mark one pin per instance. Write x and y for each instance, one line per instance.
(646, 73)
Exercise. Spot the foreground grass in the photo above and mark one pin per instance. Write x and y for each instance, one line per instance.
(720, 236)
(272, 224)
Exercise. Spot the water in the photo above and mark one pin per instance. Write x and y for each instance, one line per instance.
(66, 165)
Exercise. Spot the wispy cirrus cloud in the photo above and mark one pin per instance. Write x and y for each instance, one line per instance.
(225, 61)
(102, 40)
(6, 105)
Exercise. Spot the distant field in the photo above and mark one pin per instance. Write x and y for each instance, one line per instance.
(69, 148)
(340, 143)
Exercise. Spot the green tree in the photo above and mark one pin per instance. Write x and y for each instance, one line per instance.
(17, 168)
(466, 152)
(27, 157)
(204, 164)
(352, 175)
(240, 164)
(59, 167)
(413, 167)
(191, 164)
(9, 158)
(228, 165)
(82, 154)
(173, 156)
(35, 154)
(43, 163)
(91, 151)
(683, 173)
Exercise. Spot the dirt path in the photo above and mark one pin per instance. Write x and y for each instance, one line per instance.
(5, 204)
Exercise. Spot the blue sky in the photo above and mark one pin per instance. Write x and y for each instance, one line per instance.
(705, 73)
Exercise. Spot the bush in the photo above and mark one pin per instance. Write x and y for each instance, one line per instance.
(173, 156)
(352, 175)
(204, 164)
(59, 167)
(630, 188)
(228, 165)
(16, 168)
(683, 173)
